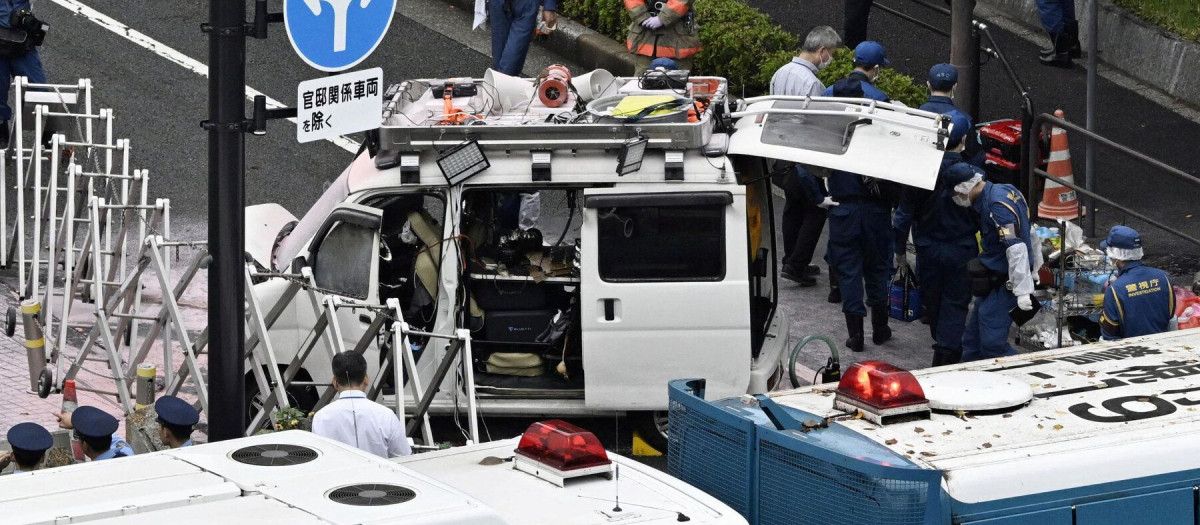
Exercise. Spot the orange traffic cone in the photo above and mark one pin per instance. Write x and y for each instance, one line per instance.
(1058, 201)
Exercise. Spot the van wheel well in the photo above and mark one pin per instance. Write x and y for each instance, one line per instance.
(303, 397)
(651, 425)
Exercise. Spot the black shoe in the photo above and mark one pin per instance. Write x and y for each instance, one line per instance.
(3, 134)
(835, 295)
(946, 356)
(854, 326)
(880, 332)
(1060, 55)
(812, 270)
(804, 281)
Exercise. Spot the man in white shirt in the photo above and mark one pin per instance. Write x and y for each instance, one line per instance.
(804, 208)
(355, 420)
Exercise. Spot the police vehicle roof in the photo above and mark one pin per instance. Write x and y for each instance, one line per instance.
(1102, 412)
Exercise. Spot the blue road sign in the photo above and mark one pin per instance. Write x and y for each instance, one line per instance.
(334, 35)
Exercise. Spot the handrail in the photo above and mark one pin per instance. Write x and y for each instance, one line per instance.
(912, 19)
(1032, 160)
(1027, 109)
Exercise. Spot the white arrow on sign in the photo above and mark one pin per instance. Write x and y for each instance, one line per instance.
(341, 9)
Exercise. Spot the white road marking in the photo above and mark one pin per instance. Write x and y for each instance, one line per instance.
(165, 51)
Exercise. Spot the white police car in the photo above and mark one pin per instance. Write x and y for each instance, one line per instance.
(555, 473)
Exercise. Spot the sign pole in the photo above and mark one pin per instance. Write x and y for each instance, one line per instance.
(226, 204)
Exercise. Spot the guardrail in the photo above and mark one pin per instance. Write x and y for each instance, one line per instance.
(1031, 161)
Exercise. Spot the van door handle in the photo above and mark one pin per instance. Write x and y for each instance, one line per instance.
(364, 319)
(610, 309)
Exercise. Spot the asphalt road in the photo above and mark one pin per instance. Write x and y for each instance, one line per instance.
(159, 104)
(1123, 115)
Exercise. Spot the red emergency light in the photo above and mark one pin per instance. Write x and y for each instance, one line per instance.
(555, 450)
(880, 391)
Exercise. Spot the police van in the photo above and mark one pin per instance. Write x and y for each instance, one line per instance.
(554, 473)
(597, 236)
(1091, 435)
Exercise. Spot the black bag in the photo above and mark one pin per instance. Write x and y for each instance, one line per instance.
(24, 33)
(982, 280)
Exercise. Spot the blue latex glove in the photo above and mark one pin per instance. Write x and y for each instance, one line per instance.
(652, 23)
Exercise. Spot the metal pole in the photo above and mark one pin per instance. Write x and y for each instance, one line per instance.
(226, 201)
(964, 55)
(1089, 155)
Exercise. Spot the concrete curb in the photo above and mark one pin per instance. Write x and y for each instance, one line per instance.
(1127, 43)
(584, 45)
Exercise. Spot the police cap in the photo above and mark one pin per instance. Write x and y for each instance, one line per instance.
(92, 422)
(960, 173)
(871, 53)
(1122, 237)
(30, 436)
(960, 125)
(943, 76)
(175, 411)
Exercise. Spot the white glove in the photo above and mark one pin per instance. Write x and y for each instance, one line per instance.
(1025, 302)
(652, 23)
(828, 203)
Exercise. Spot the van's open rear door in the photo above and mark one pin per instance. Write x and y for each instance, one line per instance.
(876, 139)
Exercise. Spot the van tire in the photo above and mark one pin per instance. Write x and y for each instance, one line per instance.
(652, 426)
(302, 397)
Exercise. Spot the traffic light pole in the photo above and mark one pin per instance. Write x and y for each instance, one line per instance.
(226, 203)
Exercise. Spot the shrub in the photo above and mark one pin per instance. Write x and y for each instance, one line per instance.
(740, 44)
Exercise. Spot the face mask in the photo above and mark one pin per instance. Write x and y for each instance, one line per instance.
(825, 63)
(961, 200)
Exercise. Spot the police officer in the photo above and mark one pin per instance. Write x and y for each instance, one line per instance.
(96, 432)
(29, 443)
(15, 62)
(175, 421)
(1140, 301)
(944, 235)
(942, 80)
(869, 59)
(1003, 279)
(860, 224)
(655, 30)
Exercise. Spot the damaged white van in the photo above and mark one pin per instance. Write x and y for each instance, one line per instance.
(597, 238)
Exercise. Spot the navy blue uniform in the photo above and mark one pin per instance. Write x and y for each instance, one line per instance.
(27, 65)
(869, 90)
(944, 235)
(1003, 222)
(974, 153)
(859, 241)
(1139, 302)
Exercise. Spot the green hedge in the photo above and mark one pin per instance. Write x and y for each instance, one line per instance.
(740, 44)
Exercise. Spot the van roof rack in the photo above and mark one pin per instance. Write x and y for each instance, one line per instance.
(417, 115)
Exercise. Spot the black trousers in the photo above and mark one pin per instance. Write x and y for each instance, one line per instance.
(802, 224)
(857, 14)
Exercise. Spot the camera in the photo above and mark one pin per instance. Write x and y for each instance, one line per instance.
(31, 25)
